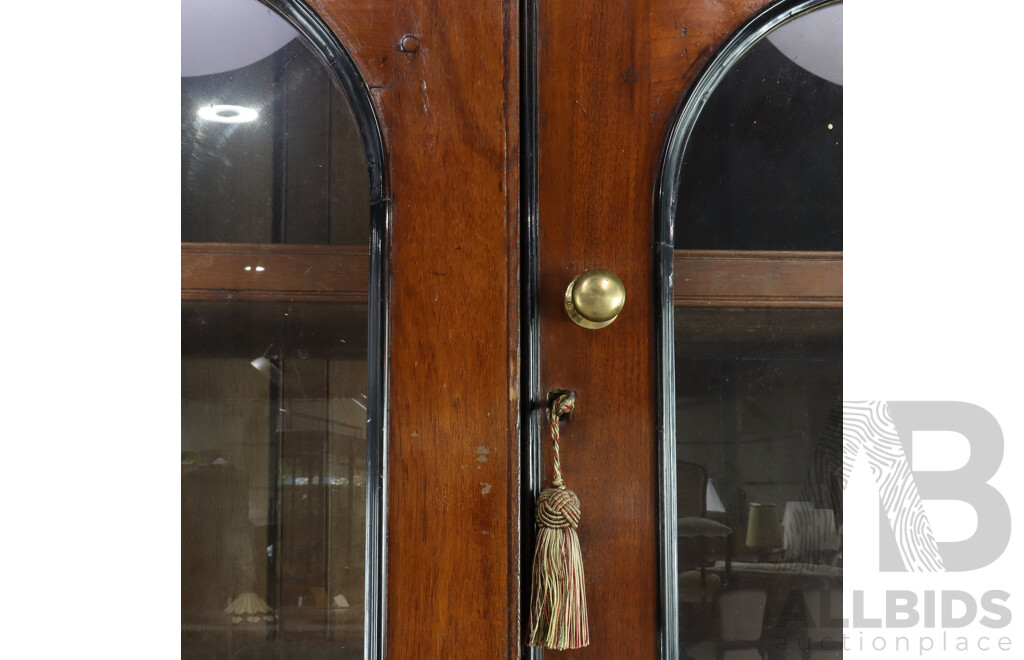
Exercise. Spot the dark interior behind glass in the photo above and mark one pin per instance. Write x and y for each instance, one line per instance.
(758, 384)
(274, 354)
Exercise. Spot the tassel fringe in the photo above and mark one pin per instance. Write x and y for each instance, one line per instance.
(558, 604)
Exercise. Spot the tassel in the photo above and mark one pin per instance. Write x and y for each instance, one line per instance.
(558, 603)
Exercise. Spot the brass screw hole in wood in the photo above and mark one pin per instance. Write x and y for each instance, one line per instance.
(409, 44)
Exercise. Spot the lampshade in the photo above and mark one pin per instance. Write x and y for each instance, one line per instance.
(807, 529)
(267, 368)
(763, 528)
(249, 608)
(713, 500)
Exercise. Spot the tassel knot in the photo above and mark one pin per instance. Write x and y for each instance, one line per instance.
(557, 508)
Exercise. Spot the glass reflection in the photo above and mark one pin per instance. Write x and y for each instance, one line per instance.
(763, 168)
(274, 370)
(758, 388)
(271, 152)
(273, 476)
(758, 406)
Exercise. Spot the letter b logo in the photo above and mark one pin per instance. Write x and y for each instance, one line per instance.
(883, 431)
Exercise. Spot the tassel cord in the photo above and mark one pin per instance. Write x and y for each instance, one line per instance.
(564, 405)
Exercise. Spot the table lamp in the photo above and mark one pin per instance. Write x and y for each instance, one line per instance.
(249, 608)
(764, 533)
(808, 532)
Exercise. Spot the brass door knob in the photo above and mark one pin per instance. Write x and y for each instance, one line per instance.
(594, 298)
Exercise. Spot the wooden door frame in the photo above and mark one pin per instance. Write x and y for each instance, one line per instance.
(452, 83)
(444, 78)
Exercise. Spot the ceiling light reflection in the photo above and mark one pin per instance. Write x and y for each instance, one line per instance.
(228, 114)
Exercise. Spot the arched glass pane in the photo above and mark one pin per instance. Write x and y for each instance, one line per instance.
(280, 370)
(752, 344)
(763, 167)
(270, 148)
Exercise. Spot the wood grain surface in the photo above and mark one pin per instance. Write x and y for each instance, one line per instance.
(453, 391)
(364, 28)
(685, 34)
(713, 278)
(453, 139)
(596, 147)
(235, 271)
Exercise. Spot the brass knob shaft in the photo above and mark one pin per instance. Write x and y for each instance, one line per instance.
(594, 298)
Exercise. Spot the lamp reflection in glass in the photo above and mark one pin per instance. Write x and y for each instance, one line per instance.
(265, 366)
(714, 502)
(764, 533)
(249, 608)
(808, 531)
(228, 114)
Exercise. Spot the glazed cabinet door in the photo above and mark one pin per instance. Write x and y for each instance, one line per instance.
(710, 183)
